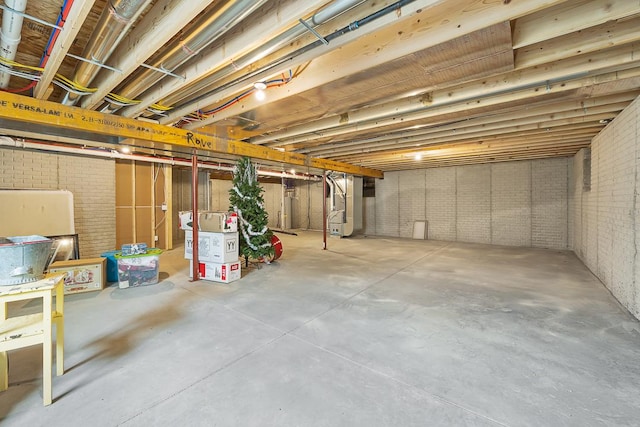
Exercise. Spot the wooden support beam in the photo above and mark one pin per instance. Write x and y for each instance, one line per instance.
(274, 16)
(568, 17)
(22, 109)
(157, 27)
(420, 25)
(77, 15)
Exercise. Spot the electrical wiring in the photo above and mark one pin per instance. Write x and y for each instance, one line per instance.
(35, 73)
(159, 109)
(121, 101)
(62, 17)
(201, 115)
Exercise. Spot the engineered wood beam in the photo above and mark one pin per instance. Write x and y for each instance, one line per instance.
(26, 110)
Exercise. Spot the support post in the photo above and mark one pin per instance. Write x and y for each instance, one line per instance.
(194, 210)
(324, 210)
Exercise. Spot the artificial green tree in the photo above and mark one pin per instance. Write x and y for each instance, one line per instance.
(246, 200)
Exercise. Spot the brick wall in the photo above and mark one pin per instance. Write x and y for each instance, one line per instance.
(549, 201)
(306, 206)
(513, 203)
(91, 180)
(441, 205)
(604, 220)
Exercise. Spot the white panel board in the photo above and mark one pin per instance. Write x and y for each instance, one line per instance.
(420, 230)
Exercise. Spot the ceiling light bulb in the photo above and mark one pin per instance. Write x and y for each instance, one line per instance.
(260, 95)
(125, 150)
(418, 157)
(260, 85)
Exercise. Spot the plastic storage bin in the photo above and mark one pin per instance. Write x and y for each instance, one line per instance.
(138, 270)
(112, 265)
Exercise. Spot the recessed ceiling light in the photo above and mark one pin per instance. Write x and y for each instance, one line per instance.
(260, 95)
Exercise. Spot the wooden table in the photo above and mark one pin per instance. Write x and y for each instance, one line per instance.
(26, 330)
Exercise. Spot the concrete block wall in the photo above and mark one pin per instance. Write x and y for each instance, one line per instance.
(512, 203)
(91, 180)
(441, 206)
(605, 225)
(306, 206)
(473, 201)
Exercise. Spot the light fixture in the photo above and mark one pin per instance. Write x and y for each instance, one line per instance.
(260, 95)
(293, 171)
(125, 149)
(418, 156)
(260, 85)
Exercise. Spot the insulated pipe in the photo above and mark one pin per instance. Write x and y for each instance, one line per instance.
(272, 45)
(114, 22)
(10, 35)
(208, 29)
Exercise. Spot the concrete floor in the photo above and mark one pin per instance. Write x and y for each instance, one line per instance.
(372, 332)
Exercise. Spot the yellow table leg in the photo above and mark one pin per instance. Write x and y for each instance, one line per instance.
(59, 320)
(4, 371)
(47, 359)
(4, 357)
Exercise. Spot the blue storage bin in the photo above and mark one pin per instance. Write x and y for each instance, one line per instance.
(112, 265)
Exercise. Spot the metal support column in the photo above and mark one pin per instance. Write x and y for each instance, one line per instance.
(194, 210)
(324, 210)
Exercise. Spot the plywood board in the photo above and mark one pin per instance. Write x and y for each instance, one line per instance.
(41, 212)
(124, 187)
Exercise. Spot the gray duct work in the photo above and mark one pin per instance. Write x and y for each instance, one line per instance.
(206, 31)
(272, 45)
(113, 24)
(345, 196)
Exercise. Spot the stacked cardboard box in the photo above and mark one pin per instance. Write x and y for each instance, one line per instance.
(217, 245)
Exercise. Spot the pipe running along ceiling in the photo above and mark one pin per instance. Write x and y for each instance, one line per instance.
(388, 85)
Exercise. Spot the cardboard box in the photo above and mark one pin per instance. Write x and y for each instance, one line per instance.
(138, 270)
(213, 247)
(82, 275)
(210, 221)
(216, 272)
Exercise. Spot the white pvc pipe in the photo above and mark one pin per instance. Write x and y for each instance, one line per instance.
(10, 34)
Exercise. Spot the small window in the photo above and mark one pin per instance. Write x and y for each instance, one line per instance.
(586, 170)
(368, 187)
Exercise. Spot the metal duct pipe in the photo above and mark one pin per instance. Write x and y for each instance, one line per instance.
(10, 35)
(207, 30)
(272, 45)
(114, 22)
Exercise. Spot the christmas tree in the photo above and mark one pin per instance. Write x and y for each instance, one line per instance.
(246, 200)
